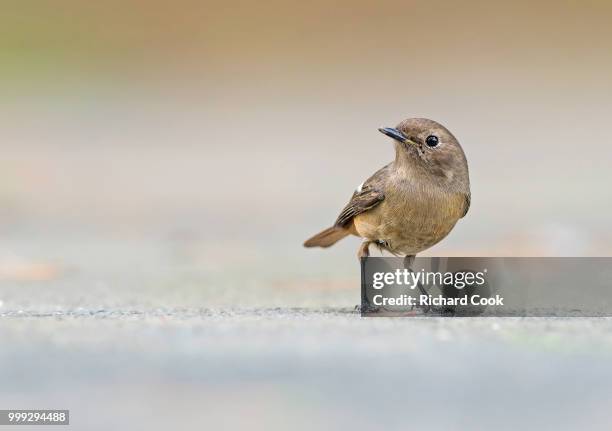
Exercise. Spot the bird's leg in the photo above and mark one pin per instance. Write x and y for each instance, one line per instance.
(408, 262)
(364, 249)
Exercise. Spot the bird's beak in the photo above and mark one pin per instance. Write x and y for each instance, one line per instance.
(395, 134)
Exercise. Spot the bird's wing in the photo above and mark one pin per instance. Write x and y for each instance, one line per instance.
(366, 197)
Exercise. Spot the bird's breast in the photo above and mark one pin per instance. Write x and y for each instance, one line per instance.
(412, 218)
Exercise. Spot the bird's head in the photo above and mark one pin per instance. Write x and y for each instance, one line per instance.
(423, 145)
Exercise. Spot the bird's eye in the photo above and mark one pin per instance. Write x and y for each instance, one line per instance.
(432, 141)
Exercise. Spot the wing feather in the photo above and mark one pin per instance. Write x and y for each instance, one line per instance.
(367, 196)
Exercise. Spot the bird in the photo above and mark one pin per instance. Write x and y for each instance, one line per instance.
(413, 202)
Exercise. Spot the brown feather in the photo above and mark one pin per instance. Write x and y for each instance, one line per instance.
(368, 197)
(327, 237)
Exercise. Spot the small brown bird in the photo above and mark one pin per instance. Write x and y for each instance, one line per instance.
(413, 202)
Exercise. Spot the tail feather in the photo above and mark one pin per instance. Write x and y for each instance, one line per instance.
(327, 237)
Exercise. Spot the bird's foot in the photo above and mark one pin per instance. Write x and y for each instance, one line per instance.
(425, 308)
(366, 308)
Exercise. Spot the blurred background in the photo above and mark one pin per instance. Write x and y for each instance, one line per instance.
(250, 122)
(169, 157)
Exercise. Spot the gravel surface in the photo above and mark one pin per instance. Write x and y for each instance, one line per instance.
(130, 341)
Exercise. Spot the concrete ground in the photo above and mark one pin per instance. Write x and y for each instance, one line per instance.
(163, 334)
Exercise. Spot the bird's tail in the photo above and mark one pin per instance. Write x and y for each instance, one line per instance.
(327, 237)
